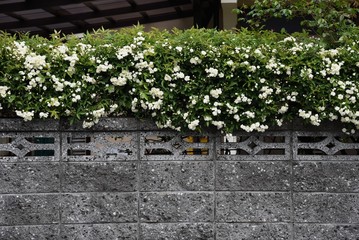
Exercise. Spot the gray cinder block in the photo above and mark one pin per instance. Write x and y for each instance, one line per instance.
(176, 207)
(253, 207)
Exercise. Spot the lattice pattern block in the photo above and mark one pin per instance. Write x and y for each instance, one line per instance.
(254, 146)
(174, 146)
(29, 146)
(103, 146)
(325, 146)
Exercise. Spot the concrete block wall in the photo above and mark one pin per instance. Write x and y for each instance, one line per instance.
(125, 179)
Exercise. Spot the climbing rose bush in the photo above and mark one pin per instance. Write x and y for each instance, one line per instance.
(183, 80)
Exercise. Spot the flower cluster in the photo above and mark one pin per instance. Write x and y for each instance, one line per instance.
(184, 80)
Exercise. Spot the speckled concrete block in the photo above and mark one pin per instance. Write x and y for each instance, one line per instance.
(121, 231)
(91, 177)
(127, 179)
(47, 232)
(99, 207)
(29, 178)
(177, 231)
(267, 176)
(326, 176)
(253, 207)
(29, 209)
(326, 208)
(326, 232)
(176, 176)
(176, 207)
(246, 231)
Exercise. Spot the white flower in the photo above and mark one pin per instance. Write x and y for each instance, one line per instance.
(193, 125)
(289, 39)
(120, 81)
(4, 91)
(179, 49)
(206, 99)
(33, 61)
(212, 72)
(20, 49)
(218, 124)
(156, 92)
(207, 118)
(99, 113)
(215, 111)
(89, 79)
(230, 63)
(168, 77)
(265, 92)
(27, 116)
(86, 124)
(216, 92)
(43, 115)
(283, 109)
(335, 69)
(113, 107)
(249, 114)
(103, 67)
(123, 52)
(54, 102)
(76, 97)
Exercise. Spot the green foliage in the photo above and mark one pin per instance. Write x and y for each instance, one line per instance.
(190, 79)
(326, 18)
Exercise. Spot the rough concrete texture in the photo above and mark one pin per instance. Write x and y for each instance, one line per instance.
(127, 180)
(247, 231)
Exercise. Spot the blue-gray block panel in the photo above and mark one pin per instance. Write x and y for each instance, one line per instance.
(245, 231)
(110, 231)
(177, 231)
(326, 232)
(45, 232)
(253, 176)
(253, 207)
(326, 208)
(176, 176)
(29, 178)
(101, 177)
(99, 207)
(29, 209)
(176, 207)
(326, 176)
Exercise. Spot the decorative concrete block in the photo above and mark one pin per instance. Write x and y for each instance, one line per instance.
(121, 231)
(176, 207)
(29, 209)
(29, 146)
(99, 207)
(326, 208)
(99, 146)
(177, 231)
(245, 231)
(176, 176)
(254, 176)
(91, 177)
(253, 207)
(326, 232)
(46, 232)
(326, 176)
(29, 178)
